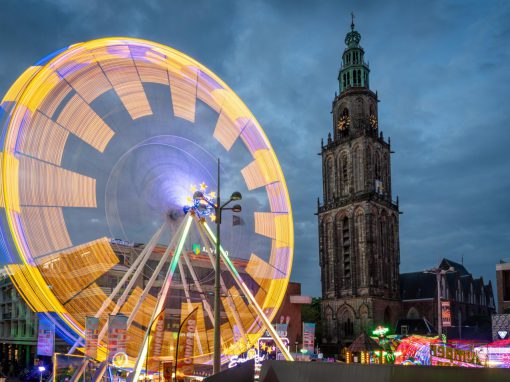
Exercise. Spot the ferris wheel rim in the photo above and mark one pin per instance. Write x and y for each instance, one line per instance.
(29, 260)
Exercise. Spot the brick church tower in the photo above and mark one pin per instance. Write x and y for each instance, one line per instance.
(358, 221)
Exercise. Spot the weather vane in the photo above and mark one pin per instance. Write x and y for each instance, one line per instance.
(352, 20)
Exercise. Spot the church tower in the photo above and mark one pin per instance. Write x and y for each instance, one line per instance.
(358, 221)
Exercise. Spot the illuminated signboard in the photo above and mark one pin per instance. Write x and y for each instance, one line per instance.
(446, 314)
(445, 355)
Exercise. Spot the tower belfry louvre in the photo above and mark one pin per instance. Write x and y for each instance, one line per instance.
(358, 221)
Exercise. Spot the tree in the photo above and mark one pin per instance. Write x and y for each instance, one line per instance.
(312, 313)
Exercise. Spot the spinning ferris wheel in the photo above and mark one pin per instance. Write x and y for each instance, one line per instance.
(103, 144)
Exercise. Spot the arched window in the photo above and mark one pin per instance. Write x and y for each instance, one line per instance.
(358, 169)
(372, 108)
(359, 231)
(329, 323)
(346, 250)
(384, 248)
(348, 327)
(369, 168)
(387, 316)
(346, 318)
(386, 173)
(413, 313)
(391, 252)
(344, 174)
(378, 174)
(331, 255)
(375, 277)
(363, 314)
(360, 105)
(330, 180)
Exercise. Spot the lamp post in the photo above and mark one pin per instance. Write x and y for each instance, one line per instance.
(178, 338)
(439, 274)
(149, 341)
(41, 370)
(218, 209)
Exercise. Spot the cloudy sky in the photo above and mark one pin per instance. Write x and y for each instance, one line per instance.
(441, 69)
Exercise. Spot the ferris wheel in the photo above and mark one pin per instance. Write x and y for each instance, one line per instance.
(104, 144)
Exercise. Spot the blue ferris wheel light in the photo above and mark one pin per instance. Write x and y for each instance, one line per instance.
(202, 206)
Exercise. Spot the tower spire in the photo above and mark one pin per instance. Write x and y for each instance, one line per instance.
(352, 21)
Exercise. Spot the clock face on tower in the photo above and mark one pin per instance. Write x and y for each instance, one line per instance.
(343, 122)
(373, 121)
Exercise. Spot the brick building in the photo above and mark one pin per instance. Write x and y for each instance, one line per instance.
(503, 287)
(468, 296)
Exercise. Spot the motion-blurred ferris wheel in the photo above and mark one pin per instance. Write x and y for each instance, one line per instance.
(103, 143)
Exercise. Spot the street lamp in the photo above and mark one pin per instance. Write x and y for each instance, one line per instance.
(41, 370)
(439, 274)
(218, 209)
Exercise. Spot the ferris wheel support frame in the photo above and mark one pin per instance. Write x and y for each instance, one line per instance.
(240, 283)
(142, 354)
(206, 231)
(233, 308)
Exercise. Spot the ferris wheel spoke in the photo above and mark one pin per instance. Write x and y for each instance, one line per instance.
(135, 270)
(188, 300)
(156, 272)
(253, 302)
(206, 304)
(206, 239)
(161, 300)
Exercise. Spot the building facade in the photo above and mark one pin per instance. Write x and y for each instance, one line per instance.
(503, 287)
(358, 221)
(18, 330)
(470, 299)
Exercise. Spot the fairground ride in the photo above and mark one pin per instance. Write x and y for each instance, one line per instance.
(107, 140)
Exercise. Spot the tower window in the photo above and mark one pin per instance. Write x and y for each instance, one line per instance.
(355, 78)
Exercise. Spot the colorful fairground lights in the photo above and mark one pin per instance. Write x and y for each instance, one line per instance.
(429, 351)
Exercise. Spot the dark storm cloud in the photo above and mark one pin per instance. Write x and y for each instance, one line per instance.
(440, 68)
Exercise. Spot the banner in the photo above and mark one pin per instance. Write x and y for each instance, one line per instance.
(186, 344)
(309, 336)
(446, 315)
(281, 329)
(117, 336)
(91, 334)
(156, 335)
(45, 336)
